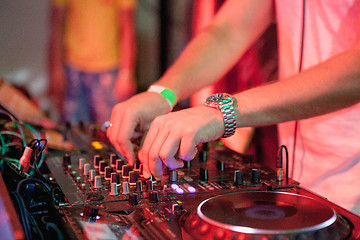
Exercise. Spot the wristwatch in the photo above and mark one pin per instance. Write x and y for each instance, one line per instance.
(224, 102)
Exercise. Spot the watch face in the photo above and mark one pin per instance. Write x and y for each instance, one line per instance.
(218, 99)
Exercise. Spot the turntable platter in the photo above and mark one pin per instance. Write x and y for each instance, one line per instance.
(265, 214)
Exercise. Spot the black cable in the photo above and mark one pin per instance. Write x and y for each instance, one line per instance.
(23, 214)
(299, 70)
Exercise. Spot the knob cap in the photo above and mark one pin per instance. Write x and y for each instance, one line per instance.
(125, 187)
(133, 177)
(203, 174)
(87, 168)
(115, 177)
(255, 176)
(238, 177)
(108, 171)
(102, 167)
(97, 182)
(119, 164)
(133, 199)
(173, 176)
(82, 162)
(97, 159)
(153, 196)
(149, 185)
(113, 158)
(114, 190)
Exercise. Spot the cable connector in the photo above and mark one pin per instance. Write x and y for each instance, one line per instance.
(24, 162)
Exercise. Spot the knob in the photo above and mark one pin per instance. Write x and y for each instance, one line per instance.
(102, 167)
(125, 171)
(238, 177)
(125, 187)
(87, 168)
(138, 186)
(203, 174)
(108, 171)
(92, 174)
(153, 196)
(114, 190)
(141, 170)
(255, 176)
(66, 161)
(97, 182)
(187, 164)
(137, 165)
(176, 209)
(115, 177)
(220, 165)
(81, 163)
(133, 177)
(113, 159)
(119, 164)
(173, 176)
(149, 185)
(97, 159)
(133, 199)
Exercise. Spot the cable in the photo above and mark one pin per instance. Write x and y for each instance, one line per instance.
(299, 70)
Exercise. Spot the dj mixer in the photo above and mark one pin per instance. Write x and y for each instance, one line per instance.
(220, 194)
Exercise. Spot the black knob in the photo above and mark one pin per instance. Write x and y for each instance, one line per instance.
(115, 177)
(149, 185)
(255, 176)
(220, 165)
(133, 199)
(187, 164)
(113, 158)
(66, 161)
(108, 171)
(102, 167)
(238, 177)
(133, 177)
(97, 159)
(119, 164)
(204, 174)
(125, 171)
(153, 196)
(138, 186)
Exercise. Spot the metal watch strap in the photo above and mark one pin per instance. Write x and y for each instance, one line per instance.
(224, 102)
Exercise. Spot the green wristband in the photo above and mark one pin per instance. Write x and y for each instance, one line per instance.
(167, 93)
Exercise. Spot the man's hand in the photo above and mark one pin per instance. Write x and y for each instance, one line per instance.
(181, 132)
(140, 110)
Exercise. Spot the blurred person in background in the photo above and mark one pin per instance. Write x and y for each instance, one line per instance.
(92, 53)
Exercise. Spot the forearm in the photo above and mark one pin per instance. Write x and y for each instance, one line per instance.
(127, 41)
(215, 50)
(327, 87)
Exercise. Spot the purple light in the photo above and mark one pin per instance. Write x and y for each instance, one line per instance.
(191, 189)
(175, 186)
(179, 190)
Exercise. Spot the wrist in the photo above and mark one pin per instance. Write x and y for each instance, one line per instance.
(166, 93)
